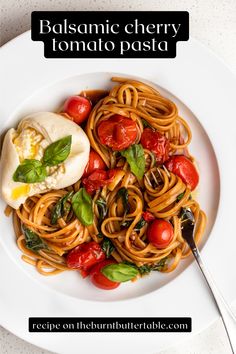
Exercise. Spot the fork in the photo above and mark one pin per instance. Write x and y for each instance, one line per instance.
(227, 316)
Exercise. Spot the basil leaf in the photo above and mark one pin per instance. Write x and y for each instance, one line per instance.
(33, 241)
(123, 194)
(144, 269)
(160, 265)
(30, 171)
(147, 268)
(107, 247)
(61, 208)
(57, 152)
(82, 207)
(120, 272)
(126, 224)
(102, 209)
(135, 158)
(180, 196)
(140, 224)
(146, 124)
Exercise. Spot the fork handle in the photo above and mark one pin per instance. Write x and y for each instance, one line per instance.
(228, 318)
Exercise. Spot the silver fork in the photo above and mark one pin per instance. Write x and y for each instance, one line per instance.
(228, 318)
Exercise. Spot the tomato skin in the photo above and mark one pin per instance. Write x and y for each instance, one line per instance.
(148, 217)
(157, 143)
(84, 256)
(78, 108)
(84, 273)
(160, 233)
(99, 280)
(117, 132)
(185, 169)
(98, 179)
(95, 163)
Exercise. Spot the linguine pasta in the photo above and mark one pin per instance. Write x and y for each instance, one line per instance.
(160, 191)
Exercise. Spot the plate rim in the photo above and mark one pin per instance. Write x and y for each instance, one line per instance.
(23, 35)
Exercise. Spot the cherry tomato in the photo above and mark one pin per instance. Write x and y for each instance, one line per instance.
(160, 233)
(99, 280)
(78, 108)
(157, 143)
(84, 273)
(117, 132)
(181, 166)
(98, 179)
(84, 256)
(148, 216)
(95, 162)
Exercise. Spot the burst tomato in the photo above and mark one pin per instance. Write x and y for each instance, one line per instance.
(78, 108)
(84, 256)
(98, 179)
(95, 163)
(157, 143)
(181, 166)
(160, 233)
(117, 132)
(99, 280)
(148, 216)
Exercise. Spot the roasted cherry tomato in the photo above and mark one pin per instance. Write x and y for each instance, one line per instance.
(99, 280)
(181, 166)
(148, 217)
(78, 108)
(98, 179)
(95, 163)
(160, 233)
(157, 143)
(84, 273)
(117, 132)
(84, 256)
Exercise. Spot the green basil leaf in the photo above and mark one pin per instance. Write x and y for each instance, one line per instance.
(102, 209)
(107, 247)
(120, 272)
(160, 265)
(140, 224)
(60, 208)
(125, 224)
(146, 124)
(144, 269)
(30, 171)
(57, 152)
(180, 196)
(82, 207)
(33, 241)
(123, 194)
(147, 268)
(135, 158)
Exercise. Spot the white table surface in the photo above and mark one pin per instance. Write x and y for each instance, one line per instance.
(213, 22)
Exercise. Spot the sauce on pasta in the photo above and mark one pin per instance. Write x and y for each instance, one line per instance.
(120, 218)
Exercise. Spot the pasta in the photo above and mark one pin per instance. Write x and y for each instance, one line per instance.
(160, 192)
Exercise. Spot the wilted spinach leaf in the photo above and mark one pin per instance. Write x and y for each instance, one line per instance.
(33, 241)
(61, 208)
(123, 194)
(107, 247)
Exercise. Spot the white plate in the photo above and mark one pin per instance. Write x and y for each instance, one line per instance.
(206, 87)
